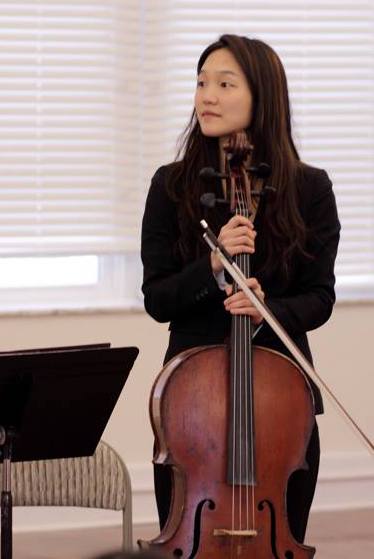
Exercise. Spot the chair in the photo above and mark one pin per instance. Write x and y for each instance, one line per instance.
(100, 481)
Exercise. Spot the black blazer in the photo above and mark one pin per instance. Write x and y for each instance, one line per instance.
(186, 294)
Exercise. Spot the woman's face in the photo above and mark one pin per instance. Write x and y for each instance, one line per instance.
(223, 100)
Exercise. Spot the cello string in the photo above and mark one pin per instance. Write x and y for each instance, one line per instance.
(249, 206)
(240, 420)
(233, 396)
(246, 204)
(239, 416)
(236, 514)
(245, 345)
(239, 343)
(242, 405)
(251, 400)
(243, 376)
(233, 426)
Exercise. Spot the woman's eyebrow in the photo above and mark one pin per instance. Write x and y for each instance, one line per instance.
(229, 72)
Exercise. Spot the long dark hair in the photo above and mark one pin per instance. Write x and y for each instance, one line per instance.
(269, 132)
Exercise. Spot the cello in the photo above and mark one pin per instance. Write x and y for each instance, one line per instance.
(230, 461)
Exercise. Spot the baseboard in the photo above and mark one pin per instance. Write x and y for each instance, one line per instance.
(346, 481)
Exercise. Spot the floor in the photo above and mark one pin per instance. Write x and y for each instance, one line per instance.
(338, 535)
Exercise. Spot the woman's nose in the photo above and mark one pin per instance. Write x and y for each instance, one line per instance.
(209, 95)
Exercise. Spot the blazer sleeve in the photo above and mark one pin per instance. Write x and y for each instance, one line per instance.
(313, 295)
(171, 288)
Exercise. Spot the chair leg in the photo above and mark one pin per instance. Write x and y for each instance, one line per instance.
(127, 535)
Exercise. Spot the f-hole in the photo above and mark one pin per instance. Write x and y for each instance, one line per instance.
(197, 529)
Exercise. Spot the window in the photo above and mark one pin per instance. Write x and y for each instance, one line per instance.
(327, 47)
(94, 95)
(69, 190)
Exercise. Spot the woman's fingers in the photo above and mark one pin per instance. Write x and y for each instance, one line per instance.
(237, 237)
(238, 303)
(253, 283)
(241, 233)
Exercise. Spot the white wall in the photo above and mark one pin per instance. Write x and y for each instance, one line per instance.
(343, 356)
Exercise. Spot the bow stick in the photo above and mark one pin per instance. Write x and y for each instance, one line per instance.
(237, 275)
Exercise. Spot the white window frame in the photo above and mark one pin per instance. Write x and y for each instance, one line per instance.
(117, 289)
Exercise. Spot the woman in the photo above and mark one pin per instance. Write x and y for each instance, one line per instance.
(241, 85)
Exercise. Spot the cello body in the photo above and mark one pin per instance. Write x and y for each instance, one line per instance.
(211, 518)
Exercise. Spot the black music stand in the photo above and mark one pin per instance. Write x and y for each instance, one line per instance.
(55, 403)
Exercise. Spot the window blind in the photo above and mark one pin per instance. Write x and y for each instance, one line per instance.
(94, 94)
(69, 165)
(327, 48)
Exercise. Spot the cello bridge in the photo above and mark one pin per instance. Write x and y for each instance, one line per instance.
(243, 533)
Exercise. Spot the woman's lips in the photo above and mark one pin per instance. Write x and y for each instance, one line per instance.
(209, 114)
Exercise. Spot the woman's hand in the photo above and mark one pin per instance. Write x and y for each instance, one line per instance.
(237, 236)
(240, 304)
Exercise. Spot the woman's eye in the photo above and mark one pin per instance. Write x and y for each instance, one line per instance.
(200, 83)
(225, 84)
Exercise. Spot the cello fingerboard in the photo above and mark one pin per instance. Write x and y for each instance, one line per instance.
(241, 458)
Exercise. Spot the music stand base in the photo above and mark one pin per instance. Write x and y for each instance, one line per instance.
(6, 440)
(6, 525)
